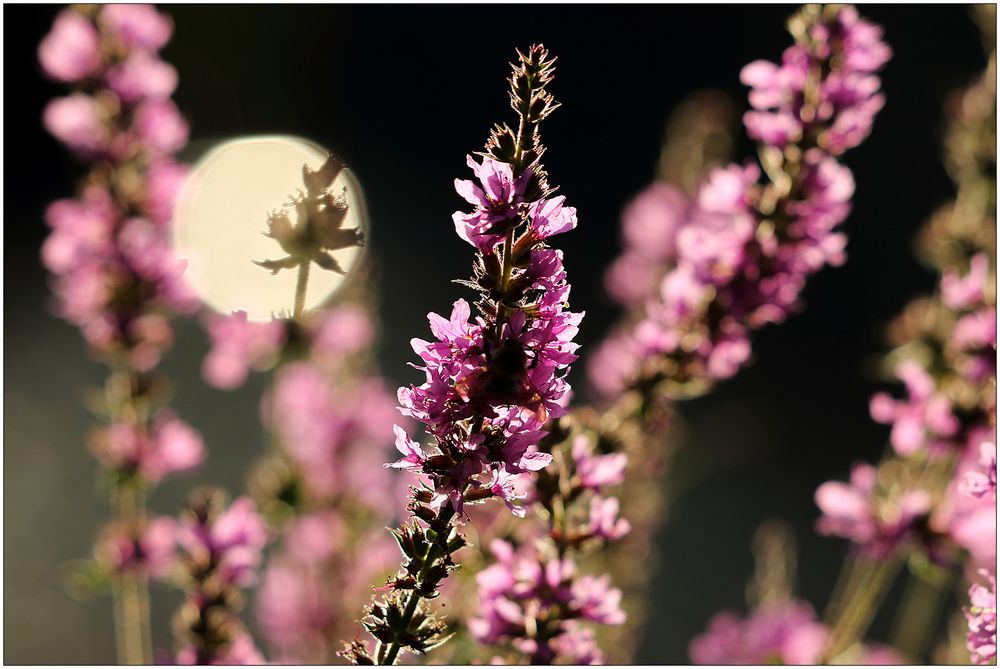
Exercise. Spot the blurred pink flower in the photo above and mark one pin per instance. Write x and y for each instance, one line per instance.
(785, 633)
(878, 522)
(159, 124)
(76, 121)
(153, 552)
(71, 50)
(137, 26)
(982, 617)
(923, 420)
(239, 345)
(232, 542)
(142, 76)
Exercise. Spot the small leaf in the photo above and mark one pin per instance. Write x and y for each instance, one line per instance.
(328, 262)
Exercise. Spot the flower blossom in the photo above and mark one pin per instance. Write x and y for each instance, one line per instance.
(509, 373)
(875, 519)
(701, 271)
(109, 254)
(72, 49)
(221, 548)
(237, 346)
(170, 446)
(490, 381)
(784, 632)
(151, 549)
(518, 587)
(982, 617)
(231, 541)
(923, 420)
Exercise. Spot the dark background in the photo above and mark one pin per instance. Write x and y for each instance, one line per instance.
(403, 93)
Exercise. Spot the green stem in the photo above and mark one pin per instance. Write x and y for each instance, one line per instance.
(130, 593)
(392, 650)
(130, 590)
(917, 615)
(508, 264)
(394, 647)
(301, 284)
(861, 605)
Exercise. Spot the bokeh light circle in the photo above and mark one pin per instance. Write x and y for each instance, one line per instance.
(221, 217)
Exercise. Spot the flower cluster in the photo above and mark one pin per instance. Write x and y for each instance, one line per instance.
(325, 489)
(519, 595)
(334, 428)
(780, 633)
(877, 517)
(943, 432)
(505, 370)
(239, 345)
(115, 276)
(168, 446)
(147, 550)
(702, 271)
(221, 550)
(933, 497)
(114, 273)
(982, 611)
(491, 381)
(534, 598)
(982, 616)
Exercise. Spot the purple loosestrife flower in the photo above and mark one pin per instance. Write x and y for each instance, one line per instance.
(982, 617)
(532, 598)
(786, 107)
(878, 520)
(982, 482)
(332, 433)
(597, 471)
(330, 418)
(605, 521)
(923, 420)
(108, 251)
(785, 632)
(114, 274)
(496, 198)
(702, 271)
(518, 590)
(149, 549)
(221, 549)
(933, 498)
(169, 446)
(968, 512)
(649, 226)
(492, 380)
(137, 26)
(239, 345)
(72, 49)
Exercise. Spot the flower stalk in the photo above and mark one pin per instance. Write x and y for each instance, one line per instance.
(114, 274)
(492, 383)
(930, 502)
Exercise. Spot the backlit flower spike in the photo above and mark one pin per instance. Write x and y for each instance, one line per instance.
(490, 380)
(701, 271)
(114, 274)
(932, 499)
(221, 549)
(330, 419)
